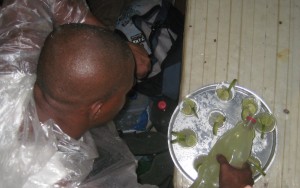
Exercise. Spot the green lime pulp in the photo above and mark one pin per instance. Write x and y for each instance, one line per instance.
(185, 138)
(189, 107)
(223, 94)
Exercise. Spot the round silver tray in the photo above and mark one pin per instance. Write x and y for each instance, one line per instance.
(208, 103)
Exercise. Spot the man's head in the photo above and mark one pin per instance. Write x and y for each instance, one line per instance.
(84, 72)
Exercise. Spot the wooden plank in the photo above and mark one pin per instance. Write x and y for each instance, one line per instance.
(210, 42)
(259, 37)
(193, 46)
(187, 46)
(245, 63)
(291, 137)
(270, 53)
(234, 39)
(199, 44)
(222, 40)
(269, 72)
(258, 41)
(281, 178)
(296, 85)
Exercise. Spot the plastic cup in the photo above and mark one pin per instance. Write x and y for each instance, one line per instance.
(250, 107)
(265, 122)
(189, 107)
(222, 92)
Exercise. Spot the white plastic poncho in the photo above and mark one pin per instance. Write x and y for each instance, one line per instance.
(34, 154)
(41, 155)
(25, 24)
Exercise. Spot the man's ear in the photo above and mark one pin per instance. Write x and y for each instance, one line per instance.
(95, 110)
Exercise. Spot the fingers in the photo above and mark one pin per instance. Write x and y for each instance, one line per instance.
(221, 159)
(246, 166)
(251, 182)
(233, 177)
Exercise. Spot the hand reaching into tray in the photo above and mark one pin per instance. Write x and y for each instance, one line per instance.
(231, 177)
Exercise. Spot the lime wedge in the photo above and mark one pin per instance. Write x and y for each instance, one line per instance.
(219, 121)
(247, 101)
(190, 140)
(189, 107)
(245, 113)
(252, 108)
(224, 93)
(249, 107)
(187, 110)
(189, 102)
(250, 103)
(185, 138)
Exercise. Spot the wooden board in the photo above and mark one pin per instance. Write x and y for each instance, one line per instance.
(257, 42)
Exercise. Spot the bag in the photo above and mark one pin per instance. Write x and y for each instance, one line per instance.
(158, 26)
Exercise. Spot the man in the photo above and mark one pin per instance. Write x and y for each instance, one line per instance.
(71, 89)
(83, 75)
(82, 78)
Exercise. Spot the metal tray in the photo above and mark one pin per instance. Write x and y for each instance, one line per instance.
(208, 103)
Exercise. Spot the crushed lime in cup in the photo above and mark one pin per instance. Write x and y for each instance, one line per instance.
(265, 123)
(249, 107)
(189, 107)
(225, 93)
(219, 121)
(185, 138)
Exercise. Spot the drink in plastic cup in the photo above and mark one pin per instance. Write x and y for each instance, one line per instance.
(189, 107)
(250, 107)
(265, 122)
(222, 92)
(216, 119)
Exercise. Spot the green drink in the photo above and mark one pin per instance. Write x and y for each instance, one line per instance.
(235, 145)
(189, 107)
(185, 138)
(249, 107)
(216, 120)
(265, 123)
(225, 93)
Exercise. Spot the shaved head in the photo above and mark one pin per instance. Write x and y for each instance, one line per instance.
(80, 64)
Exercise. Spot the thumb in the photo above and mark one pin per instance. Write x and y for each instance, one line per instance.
(222, 159)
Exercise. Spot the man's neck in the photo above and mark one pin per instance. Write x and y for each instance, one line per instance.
(69, 120)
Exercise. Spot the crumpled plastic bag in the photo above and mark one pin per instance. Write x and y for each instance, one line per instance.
(33, 154)
(25, 24)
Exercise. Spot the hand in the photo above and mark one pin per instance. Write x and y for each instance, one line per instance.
(142, 60)
(231, 177)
